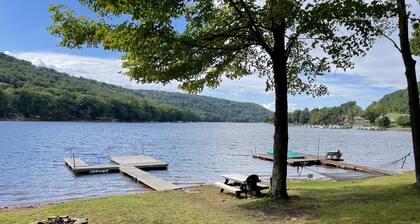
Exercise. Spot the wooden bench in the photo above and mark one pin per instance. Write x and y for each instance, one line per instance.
(229, 188)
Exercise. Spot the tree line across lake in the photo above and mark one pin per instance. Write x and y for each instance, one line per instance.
(349, 114)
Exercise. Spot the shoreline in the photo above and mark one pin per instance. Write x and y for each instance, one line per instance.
(128, 122)
(29, 206)
(351, 128)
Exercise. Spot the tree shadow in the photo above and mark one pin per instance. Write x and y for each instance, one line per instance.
(333, 202)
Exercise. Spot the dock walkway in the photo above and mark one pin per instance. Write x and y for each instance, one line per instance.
(147, 179)
(320, 160)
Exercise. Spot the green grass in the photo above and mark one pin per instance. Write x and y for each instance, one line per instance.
(398, 128)
(393, 116)
(390, 199)
(394, 126)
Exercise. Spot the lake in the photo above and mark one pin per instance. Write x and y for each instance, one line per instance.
(33, 170)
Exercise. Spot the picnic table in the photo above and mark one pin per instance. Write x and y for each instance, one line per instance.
(238, 183)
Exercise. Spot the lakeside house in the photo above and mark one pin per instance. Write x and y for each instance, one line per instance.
(360, 121)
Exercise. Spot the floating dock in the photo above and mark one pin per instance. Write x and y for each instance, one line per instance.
(141, 162)
(320, 160)
(79, 166)
(132, 166)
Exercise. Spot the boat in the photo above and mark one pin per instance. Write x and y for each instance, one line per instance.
(290, 154)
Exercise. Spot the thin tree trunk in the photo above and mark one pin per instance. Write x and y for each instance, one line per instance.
(413, 93)
(281, 135)
(4, 106)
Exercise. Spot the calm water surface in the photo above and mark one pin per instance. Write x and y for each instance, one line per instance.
(33, 170)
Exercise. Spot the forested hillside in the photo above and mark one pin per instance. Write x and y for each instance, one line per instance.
(396, 102)
(29, 92)
(212, 109)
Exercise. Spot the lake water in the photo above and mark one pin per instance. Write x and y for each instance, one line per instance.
(33, 170)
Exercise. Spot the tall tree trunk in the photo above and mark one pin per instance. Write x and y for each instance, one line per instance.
(413, 93)
(281, 135)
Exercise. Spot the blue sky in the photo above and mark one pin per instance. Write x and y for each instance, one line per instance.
(23, 25)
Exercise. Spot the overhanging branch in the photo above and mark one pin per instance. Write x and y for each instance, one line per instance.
(233, 48)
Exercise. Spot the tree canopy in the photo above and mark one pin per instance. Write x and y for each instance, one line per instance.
(231, 38)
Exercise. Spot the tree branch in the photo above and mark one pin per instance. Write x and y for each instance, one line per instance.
(225, 35)
(251, 24)
(256, 29)
(392, 41)
(290, 44)
(237, 48)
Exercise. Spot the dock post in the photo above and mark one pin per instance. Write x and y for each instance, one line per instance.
(74, 162)
(317, 156)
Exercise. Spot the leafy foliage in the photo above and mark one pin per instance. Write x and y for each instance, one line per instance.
(40, 93)
(403, 121)
(374, 111)
(383, 121)
(223, 38)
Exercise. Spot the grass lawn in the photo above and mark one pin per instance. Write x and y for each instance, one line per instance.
(398, 128)
(394, 126)
(393, 116)
(391, 199)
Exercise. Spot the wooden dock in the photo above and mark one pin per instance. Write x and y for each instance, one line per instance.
(132, 166)
(79, 166)
(147, 179)
(73, 163)
(291, 162)
(139, 161)
(349, 166)
(320, 160)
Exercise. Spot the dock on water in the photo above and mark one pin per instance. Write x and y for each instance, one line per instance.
(147, 178)
(132, 166)
(140, 161)
(320, 160)
(79, 166)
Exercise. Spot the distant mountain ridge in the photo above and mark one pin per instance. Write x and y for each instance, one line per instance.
(30, 92)
(213, 109)
(395, 102)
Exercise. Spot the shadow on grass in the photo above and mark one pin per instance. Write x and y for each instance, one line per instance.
(341, 202)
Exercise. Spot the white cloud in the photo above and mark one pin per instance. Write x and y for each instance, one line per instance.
(9, 53)
(292, 107)
(382, 67)
(272, 106)
(101, 69)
